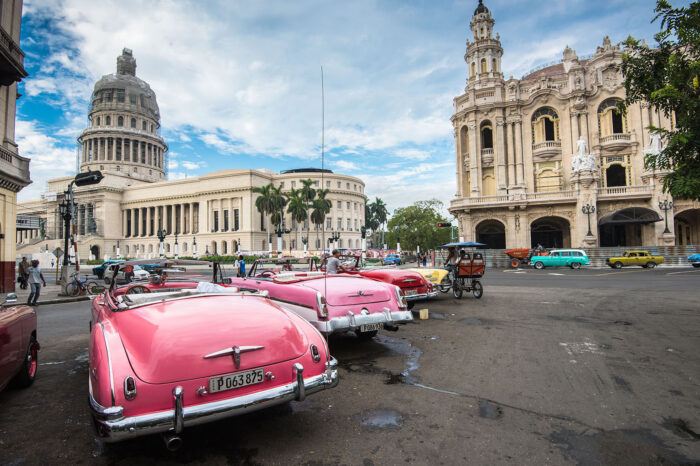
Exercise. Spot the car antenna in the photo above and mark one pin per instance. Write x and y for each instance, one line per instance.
(323, 159)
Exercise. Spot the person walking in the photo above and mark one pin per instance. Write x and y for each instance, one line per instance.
(23, 273)
(35, 280)
(129, 273)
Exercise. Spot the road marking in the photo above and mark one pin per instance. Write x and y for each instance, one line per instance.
(557, 274)
(685, 271)
(617, 273)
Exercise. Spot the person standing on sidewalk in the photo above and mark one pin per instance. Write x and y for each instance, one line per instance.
(23, 272)
(36, 278)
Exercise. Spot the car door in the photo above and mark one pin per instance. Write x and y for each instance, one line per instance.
(643, 258)
(566, 258)
(554, 259)
(11, 356)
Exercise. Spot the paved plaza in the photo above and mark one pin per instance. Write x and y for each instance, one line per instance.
(595, 366)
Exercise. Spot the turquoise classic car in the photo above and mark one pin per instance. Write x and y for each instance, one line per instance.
(573, 258)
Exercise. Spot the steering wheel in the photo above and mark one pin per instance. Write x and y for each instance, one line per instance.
(138, 289)
(267, 274)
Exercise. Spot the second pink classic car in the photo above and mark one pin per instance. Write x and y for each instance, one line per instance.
(163, 359)
(331, 303)
(19, 348)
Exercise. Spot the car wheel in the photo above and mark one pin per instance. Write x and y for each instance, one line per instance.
(364, 336)
(445, 284)
(651, 265)
(93, 288)
(539, 265)
(457, 290)
(515, 263)
(107, 280)
(477, 290)
(138, 289)
(575, 265)
(617, 265)
(26, 376)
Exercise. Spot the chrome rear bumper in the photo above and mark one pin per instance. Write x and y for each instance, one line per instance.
(112, 426)
(354, 321)
(418, 297)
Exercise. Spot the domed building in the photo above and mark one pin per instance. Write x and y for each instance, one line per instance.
(123, 135)
(548, 158)
(122, 215)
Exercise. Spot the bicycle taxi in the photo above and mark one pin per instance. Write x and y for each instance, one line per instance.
(466, 267)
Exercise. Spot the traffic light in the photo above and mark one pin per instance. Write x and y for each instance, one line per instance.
(88, 178)
(444, 224)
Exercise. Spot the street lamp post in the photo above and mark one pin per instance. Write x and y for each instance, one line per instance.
(279, 230)
(363, 233)
(334, 237)
(305, 241)
(119, 254)
(176, 247)
(666, 205)
(194, 247)
(398, 241)
(161, 249)
(588, 210)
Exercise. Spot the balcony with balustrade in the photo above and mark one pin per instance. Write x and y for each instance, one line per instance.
(546, 150)
(616, 141)
(520, 199)
(625, 192)
(487, 156)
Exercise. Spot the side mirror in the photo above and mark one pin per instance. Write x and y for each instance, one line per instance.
(11, 298)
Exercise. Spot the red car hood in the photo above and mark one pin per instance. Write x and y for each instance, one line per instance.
(399, 277)
(348, 290)
(167, 342)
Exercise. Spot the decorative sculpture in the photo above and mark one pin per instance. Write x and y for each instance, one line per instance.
(582, 160)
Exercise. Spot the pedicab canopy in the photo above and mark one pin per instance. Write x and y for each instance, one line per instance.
(468, 244)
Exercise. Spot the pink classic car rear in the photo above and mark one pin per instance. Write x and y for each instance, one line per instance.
(164, 360)
(18, 344)
(332, 303)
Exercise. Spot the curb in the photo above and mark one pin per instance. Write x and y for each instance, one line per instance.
(70, 299)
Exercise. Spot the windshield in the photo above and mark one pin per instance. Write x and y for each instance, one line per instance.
(282, 265)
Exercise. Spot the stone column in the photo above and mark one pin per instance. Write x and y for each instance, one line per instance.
(510, 153)
(474, 159)
(519, 169)
(132, 213)
(138, 152)
(171, 219)
(114, 148)
(500, 156)
(182, 218)
(584, 129)
(123, 157)
(149, 231)
(574, 132)
(460, 161)
(99, 149)
(644, 111)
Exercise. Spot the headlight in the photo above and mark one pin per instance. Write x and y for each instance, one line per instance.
(400, 297)
(321, 303)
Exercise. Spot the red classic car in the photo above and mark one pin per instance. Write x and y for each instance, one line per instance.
(162, 359)
(413, 285)
(331, 303)
(19, 347)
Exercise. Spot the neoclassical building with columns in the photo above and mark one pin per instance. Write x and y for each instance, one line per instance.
(126, 210)
(541, 158)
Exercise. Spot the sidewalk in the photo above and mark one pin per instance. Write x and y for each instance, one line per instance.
(48, 295)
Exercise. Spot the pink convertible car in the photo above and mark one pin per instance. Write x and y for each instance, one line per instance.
(162, 359)
(19, 348)
(331, 303)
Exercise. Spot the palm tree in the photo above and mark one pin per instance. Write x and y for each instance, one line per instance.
(264, 202)
(380, 212)
(371, 222)
(278, 201)
(297, 207)
(321, 208)
(308, 193)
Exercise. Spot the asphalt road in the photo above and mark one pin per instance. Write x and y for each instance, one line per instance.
(549, 367)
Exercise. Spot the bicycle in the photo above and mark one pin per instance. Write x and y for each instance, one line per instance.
(82, 288)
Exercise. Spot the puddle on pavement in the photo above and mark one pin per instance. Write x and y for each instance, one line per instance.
(382, 419)
(609, 447)
(436, 316)
(471, 321)
(681, 428)
(489, 410)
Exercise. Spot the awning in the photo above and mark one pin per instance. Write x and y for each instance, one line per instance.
(630, 215)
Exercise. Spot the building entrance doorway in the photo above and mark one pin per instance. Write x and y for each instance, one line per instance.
(615, 175)
(687, 227)
(626, 227)
(550, 232)
(492, 233)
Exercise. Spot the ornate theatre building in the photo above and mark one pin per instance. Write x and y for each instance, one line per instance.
(548, 158)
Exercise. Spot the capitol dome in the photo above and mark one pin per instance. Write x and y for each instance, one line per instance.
(124, 126)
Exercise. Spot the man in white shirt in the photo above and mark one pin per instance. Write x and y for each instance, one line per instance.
(35, 280)
(333, 264)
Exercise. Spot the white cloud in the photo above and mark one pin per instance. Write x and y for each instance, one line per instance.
(344, 165)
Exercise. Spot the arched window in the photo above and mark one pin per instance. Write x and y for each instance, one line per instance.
(615, 175)
(610, 119)
(224, 247)
(108, 121)
(488, 182)
(483, 65)
(133, 122)
(98, 121)
(473, 70)
(120, 121)
(545, 125)
(143, 126)
(493, 65)
(486, 135)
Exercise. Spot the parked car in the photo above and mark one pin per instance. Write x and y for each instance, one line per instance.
(392, 259)
(139, 273)
(161, 362)
(694, 260)
(439, 278)
(412, 284)
(641, 258)
(573, 258)
(19, 348)
(331, 303)
(99, 271)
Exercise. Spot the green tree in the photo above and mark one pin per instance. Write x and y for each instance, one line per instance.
(380, 214)
(265, 202)
(417, 226)
(297, 208)
(667, 77)
(321, 207)
(308, 193)
(278, 201)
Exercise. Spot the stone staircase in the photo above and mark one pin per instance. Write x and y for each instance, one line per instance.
(673, 255)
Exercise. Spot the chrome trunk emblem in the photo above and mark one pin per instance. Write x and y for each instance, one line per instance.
(408, 280)
(360, 293)
(235, 351)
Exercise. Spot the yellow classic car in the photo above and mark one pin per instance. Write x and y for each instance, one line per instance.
(438, 277)
(642, 258)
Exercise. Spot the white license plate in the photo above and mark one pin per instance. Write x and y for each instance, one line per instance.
(237, 380)
(411, 292)
(371, 327)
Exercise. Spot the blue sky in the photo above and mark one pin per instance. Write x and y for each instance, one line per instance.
(239, 84)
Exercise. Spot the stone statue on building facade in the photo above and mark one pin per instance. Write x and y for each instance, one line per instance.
(582, 160)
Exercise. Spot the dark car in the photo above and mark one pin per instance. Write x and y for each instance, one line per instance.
(99, 271)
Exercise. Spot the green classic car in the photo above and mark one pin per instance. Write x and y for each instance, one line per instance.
(641, 258)
(573, 258)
